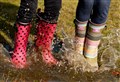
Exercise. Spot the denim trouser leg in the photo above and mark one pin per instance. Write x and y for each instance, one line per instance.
(98, 9)
(51, 11)
(26, 10)
(84, 9)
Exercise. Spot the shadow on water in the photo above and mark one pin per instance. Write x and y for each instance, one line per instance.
(109, 59)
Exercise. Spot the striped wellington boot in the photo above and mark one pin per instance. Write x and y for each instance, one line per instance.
(91, 44)
(44, 41)
(80, 31)
(21, 39)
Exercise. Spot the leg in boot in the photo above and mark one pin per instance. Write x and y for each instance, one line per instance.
(91, 44)
(80, 31)
(46, 28)
(21, 39)
(26, 11)
(44, 41)
(97, 23)
(83, 12)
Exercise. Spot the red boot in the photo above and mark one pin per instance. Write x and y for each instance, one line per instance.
(44, 41)
(21, 39)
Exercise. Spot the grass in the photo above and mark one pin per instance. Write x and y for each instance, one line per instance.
(9, 8)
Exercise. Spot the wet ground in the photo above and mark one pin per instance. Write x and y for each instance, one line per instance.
(70, 71)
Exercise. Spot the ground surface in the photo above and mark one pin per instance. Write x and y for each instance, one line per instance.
(109, 49)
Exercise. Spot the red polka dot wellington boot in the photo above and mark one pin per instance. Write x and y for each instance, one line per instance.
(44, 40)
(18, 58)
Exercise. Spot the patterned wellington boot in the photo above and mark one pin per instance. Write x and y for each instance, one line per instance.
(80, 31)
(91, 44)
(44, 41)
(21, 39)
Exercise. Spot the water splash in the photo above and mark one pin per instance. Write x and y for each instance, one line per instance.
(72, 64)
(109, 52)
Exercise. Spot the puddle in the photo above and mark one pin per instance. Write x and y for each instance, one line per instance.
(72, 69)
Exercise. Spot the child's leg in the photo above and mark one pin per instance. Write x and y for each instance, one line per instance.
(92, 42)
(80, 31)
(83, 12)
(100, 11)
(98, 19)
(46, 28)
(27, 10)
(25, 13)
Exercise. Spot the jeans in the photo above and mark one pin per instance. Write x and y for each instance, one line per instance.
(95, 10)
(28, 8)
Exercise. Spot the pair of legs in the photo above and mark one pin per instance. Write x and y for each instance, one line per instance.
(45, 29)
(90, 19)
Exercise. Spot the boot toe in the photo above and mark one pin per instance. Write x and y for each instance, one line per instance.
(48, 58)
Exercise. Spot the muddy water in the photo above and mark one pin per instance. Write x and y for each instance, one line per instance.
(71, 70)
